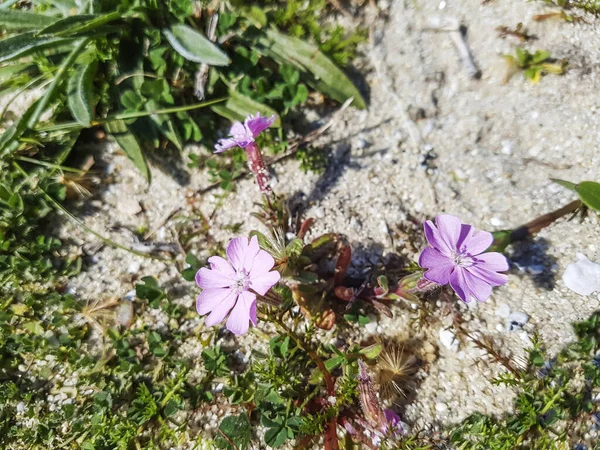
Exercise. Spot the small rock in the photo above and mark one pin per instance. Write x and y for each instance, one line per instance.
(441, 407)
(130, 295)
(495, 221)
(362, 143)
(319, 213)
(371, 327)
(448, 340)
(516, 321)
(133, 267)
(507, 147)
(503, 310)
(582, 276)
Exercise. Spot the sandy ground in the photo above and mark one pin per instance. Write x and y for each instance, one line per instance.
(433, 140)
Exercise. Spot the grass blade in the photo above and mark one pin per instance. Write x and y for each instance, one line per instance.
(14, 19)
(25, 43)
(72, 25)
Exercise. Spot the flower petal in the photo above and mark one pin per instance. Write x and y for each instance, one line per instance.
(237, 129)
(466, 285)
(491, 278)
(239, 318)
(218, 314)
(257, 124)
(440, 266)
(449, 228)
(236, 251)
(225, 144)
(211, 299)
(253, 314)
(221, 265)
(263, 283)
(478, 242)
(250, 256)
(209, 279)
(494, 261)
(263, 262)
(457, 281)
(435, 240)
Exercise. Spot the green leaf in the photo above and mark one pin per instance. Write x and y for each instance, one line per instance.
(60, 75)
(72, 25)
(329, 79)
(132, 100)
(150, 291)
(80, 94)
(25, 43)
(195, 47)
(566, 184)
(540, 56)
(236, 430)
(16, 203)
(128, 142)
(275, 437)
(14, 19)
(238, 107)
(255, 15)
(332, 363)
(164, 125)
(589, 193)
(372, 351)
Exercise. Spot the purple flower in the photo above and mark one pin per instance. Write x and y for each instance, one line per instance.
(232, 285)
(244, 134)
(393, 426)
(456, 256)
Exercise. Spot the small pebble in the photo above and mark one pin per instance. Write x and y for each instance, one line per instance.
(503, 310)
(448, 340)
(516, 321)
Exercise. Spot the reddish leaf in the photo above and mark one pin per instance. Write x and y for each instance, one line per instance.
(305, 226)
(325, 320)
(381, 308)
(341, 266)
(344, 293)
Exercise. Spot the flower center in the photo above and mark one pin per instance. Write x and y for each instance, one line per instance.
(463, 259)
(242, 281)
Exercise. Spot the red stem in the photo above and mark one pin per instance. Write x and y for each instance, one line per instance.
(259, 169)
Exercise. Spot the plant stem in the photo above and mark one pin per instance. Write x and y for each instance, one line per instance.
(537, 224)
(131, 115)
(259, 169)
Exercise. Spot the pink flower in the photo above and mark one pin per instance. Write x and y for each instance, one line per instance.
(232, 285)
(456, 256)
(393, 424)
(244, 134)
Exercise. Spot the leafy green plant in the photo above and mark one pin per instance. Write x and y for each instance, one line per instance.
(554, 401)
(137, 68)
(533, 65)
